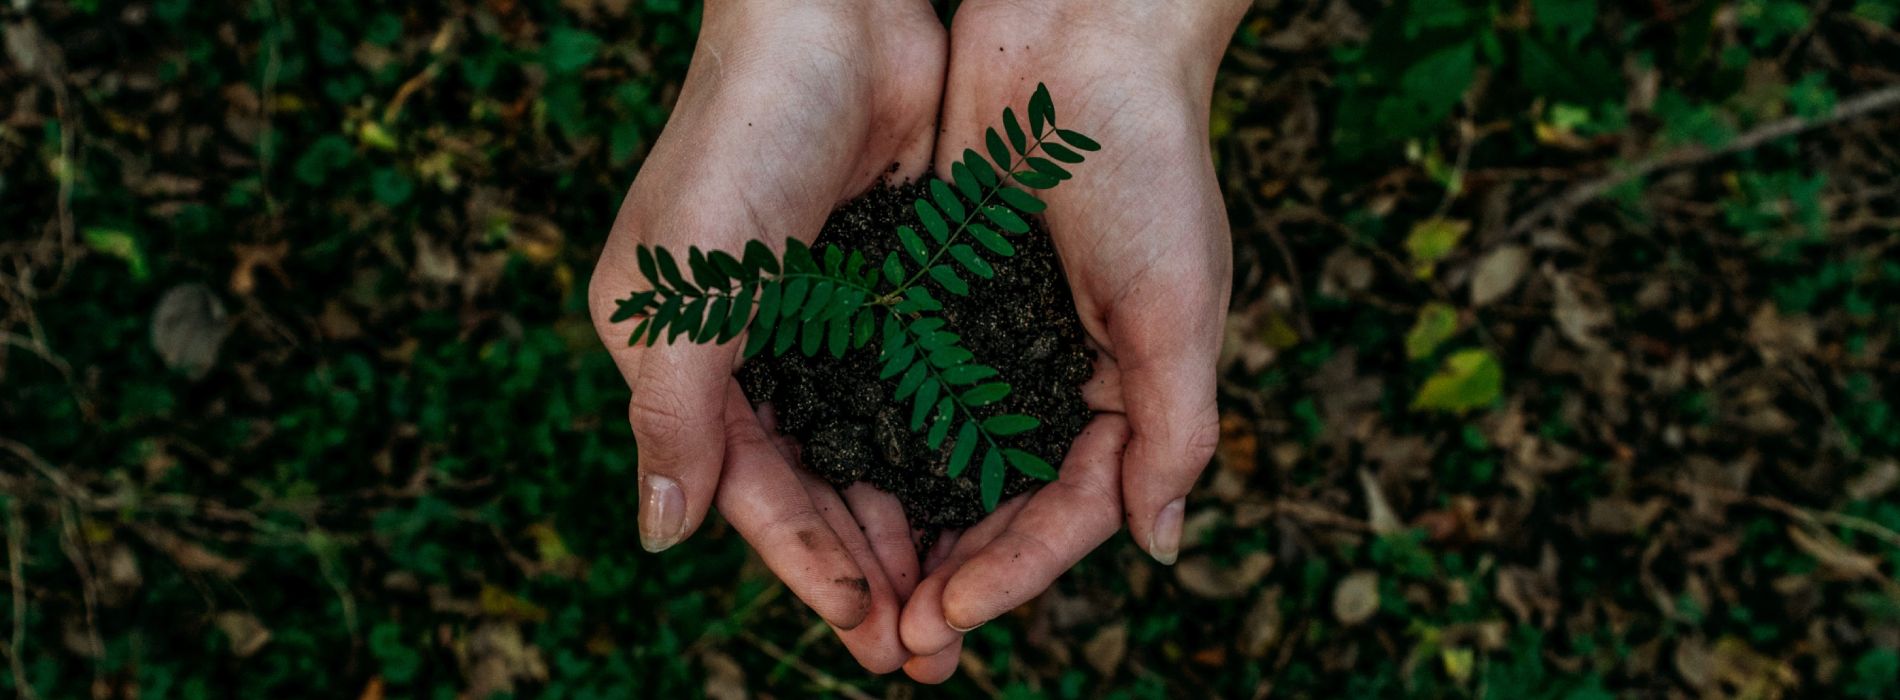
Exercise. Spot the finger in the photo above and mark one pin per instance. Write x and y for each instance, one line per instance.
(761, 496)
(1168, 389)
(881, 516)
(1062, 523)
(923, 628)
(874, 643)
(935, 668)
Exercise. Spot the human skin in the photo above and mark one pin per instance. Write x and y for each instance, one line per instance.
(1143, 237)
(789, 108)
(848, 89)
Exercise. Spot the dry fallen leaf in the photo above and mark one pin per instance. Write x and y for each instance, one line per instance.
(188, 327)
(1356, 598)
(1106, 649)
(1202, 577)
(725, 679)
(246, 633)
(1498, 273)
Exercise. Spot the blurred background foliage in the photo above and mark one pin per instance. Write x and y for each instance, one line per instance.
(1561, 365)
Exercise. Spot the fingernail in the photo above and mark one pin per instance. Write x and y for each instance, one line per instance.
(1164, 541)
(662, 512)
(963, 629)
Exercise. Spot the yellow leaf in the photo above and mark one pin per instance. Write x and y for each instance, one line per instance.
(1431, 240)
(1458, 663)
(1467, 380)
(1436, 323)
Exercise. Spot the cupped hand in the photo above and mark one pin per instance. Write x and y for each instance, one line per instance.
(1143, 237)
(789, 108)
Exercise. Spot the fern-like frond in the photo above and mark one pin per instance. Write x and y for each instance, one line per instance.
(832, 300)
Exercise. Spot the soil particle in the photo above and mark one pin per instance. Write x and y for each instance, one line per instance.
(850, 426)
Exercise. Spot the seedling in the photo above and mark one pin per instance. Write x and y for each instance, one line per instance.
(832, 299)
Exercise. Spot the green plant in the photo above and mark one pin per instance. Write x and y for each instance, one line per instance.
(834, 300)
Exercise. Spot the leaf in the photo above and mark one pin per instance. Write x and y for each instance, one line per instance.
(704, 273)
(188, 327)
(1015, 130)
(756, 342)
(1498, 273)
(631, 306)
(926, 398)
(569, 50)
(1048, 167)
(946, 200)
(933, 221)
(1006, 219)
(1041, 108)
(913, 378)
(966, 182)
(834, 260)
(1029, 464)
(940, 426)
(893, 269)
(897, 361)
(1437, 322)
(1468, 379)
(798, 257)
(950, 356)
(1431, 240)
(690, 319)
(663, 317)
(728, 265)
(811, 336)
(992, 240)
(839, 337)
(980, 169)
(964, 447)
(865, 326)
(992, 479)
(998, 151)
(122, 245)
(949, 279)
(816, 299)
(919, 299)
(1356, 597)
(741, 312)
(986, 394)
(968, 374)
(913, 244)
(670, 269)
(1022, 201)
(758, 256)
(1035, 180)
(976, 264)
(1077, 140)
(1062, 153)
(648, 268)
(794, 298)
(768, 306)
(1010, 424)
(715, 319)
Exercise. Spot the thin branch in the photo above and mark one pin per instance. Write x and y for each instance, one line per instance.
(818, 676)
(1563, 205)
(16, 555)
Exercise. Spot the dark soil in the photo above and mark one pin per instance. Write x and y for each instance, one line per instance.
(850, 426)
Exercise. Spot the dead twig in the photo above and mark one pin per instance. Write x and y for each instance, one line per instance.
(818, 676)
(1563, 205)
(16, 556)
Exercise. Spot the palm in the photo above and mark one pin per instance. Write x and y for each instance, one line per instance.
(1142, 234)
(785, 112)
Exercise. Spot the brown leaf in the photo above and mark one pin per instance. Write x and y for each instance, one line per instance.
(1498, 273)
(1356, 598)
(188, 327)
(1378, 512)
(1580, 310)
(246, 633)
(725, 678)
(1107, 648)
(1837, 558)
(1202, 577)
(1260, 630)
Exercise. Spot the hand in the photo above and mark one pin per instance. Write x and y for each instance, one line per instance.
(789, 108)
(1142, 233)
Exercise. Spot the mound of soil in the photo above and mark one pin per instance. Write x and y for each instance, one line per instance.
(850, 426)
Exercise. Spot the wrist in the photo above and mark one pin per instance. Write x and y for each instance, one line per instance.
(1191, 34)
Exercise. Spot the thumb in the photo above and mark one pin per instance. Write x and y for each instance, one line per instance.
(677, 412)
(1167, 382)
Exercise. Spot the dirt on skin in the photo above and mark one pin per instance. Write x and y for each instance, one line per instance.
(851, 427)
